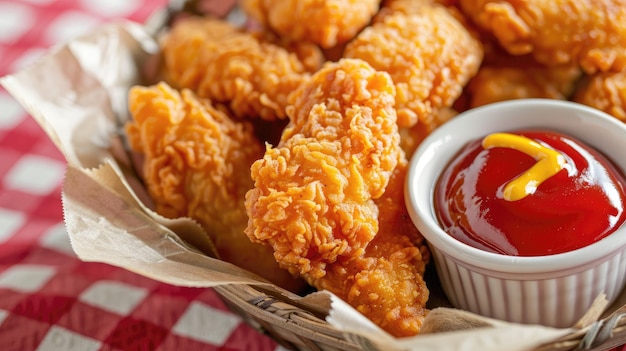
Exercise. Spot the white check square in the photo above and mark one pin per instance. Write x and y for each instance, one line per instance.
(35, 175)
(111, 8)
(69, 25)
(12, 112)
(205, 323)
(15, 21)
(26, 277)
(56, 238)
(113, 296)
(10, 222)
(61, 339)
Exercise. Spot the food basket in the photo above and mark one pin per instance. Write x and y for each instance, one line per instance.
(299, 329)
(315, 322)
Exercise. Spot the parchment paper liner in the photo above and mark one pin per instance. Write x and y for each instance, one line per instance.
(77, 93)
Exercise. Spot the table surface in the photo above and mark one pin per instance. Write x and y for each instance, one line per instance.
(49, 299)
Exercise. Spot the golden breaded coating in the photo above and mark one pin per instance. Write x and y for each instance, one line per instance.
(606, 92)
(330, 197)
(428, 52)
(503, 76)
(493, 83)
(313, 194)
(324, 22)
(386, 283)
(589, 33)
(196, 165)
(227, 65)
(411, 138)
(309, 53)
(405, 6)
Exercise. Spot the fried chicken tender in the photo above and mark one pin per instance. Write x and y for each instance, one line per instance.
(227, 65)
(411, 138)
(324, 22)
(310, 54)
(329, 197)
(503, 76)
(589, 33)
(606, 92)
(313, 194)
(386, 283)
(196, 165)
(428, 52)
(493, 83)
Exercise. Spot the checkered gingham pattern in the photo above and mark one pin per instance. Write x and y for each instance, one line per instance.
(50, 300)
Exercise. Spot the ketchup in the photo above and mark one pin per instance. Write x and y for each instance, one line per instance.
(530, 193)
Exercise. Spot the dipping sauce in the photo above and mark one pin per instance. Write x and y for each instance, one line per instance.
(530, 193)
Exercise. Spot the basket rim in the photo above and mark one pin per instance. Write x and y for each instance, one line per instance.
(603, 334)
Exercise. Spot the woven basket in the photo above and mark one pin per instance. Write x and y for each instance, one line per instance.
(299, 329)
(296, 328)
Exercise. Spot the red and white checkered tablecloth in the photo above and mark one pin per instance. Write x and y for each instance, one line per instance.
(50, 300)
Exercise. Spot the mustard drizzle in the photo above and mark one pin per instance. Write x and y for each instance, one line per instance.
(549, 163)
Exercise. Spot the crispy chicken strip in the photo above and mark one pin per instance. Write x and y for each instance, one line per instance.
(589, 33)
(606, 92)
(309, 53)
(313, 194)
(227, 65)
(503, 76)
(494, 83)
(386, 283)
(428, 52)
(196, 165)
(324, 22)
(329, 197)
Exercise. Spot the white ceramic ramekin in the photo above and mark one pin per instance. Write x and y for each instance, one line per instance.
(551, 290)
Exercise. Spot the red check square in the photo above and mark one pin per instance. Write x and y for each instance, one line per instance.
(20, 333)
(90, 321)
(45, 308)
(135, 334)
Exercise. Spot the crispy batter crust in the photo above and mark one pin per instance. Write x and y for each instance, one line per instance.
(589, 33)
(313, 193)
(606, 92)
(225, 64)
(326, 22)
(428, 52)
(493, 83)
(196, 165)
(386, 284)
(329, 198)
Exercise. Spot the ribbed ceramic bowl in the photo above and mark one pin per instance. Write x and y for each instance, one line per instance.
(551, 290)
